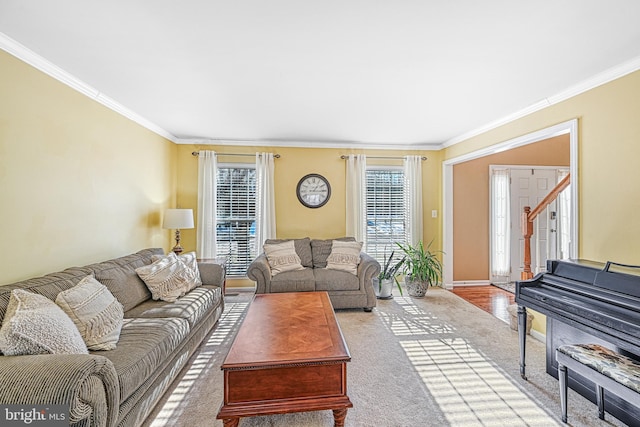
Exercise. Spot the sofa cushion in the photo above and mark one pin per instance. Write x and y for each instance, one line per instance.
(344, 256)
(335, 280)
(282, 257)
(145, 348)
(34, 324)
(302, 246)
(193, 306)
(167, 278)
(321, 249)
(95, 311)
(294, 281)
(125, 284)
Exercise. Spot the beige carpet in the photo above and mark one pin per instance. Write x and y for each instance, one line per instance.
(436, 361)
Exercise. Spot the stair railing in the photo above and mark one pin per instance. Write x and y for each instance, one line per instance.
(528, 216)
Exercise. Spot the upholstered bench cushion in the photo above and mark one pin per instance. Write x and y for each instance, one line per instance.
(192, 306)
(144, 348)
(622, 369)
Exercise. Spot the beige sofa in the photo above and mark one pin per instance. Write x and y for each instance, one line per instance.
(345, 290)
(117, 387)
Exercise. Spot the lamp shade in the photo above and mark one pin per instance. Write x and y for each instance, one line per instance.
(178, 218)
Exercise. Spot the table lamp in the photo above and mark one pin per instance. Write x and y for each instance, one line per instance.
(177, 219)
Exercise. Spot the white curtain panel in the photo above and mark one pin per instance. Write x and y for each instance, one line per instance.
(413, 199)
(265, 199)
(500, 223)
(206, 227)
(356, 190)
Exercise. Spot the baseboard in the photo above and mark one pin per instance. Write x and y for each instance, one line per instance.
(469, 283)
(237, 289)
(538, 336)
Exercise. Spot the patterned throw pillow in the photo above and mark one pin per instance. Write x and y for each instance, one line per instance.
(167, 278)
(33, 324)
(95, 311)
(282, 257)
(344, 256)
(321, 249)
(191, 262)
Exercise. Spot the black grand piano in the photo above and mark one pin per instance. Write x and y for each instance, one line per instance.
(585, 302)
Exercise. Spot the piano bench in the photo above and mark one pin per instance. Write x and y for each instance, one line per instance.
(607, 369)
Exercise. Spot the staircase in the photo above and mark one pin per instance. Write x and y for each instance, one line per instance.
(528, 218)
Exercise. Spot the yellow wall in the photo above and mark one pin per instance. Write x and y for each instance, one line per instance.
(293, 219)
(79, 183)
(609, 148)
(471, 209)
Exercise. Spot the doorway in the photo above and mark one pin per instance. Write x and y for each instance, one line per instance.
(569, 128)
(526, 186)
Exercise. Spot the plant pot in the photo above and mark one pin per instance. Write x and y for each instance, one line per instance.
(416, 288)
(384, 289)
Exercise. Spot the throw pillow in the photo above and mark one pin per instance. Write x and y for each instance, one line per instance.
(33, 324)
(322, 248)
(95, 311)
(191, 262)
(282, 257)
(344, 256)
(167, 278)
(303, 249)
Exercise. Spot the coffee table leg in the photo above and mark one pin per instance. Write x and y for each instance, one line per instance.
(231, 422)
(338, 417)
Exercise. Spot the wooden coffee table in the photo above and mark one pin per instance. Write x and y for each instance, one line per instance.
(289, 356)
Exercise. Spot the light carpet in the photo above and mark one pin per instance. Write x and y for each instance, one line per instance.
(434, 361)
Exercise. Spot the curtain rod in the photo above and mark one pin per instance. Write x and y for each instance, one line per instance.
(383, 157)
(197, 153)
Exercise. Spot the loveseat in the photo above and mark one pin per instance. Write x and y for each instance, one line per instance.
(345, 289)
(117, 387)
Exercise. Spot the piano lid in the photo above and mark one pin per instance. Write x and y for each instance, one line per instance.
(616, 277)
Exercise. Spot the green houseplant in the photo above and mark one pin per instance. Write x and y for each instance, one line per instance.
(388, 274)
(422, 268)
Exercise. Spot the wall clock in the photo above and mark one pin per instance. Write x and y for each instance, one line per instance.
(313, 190)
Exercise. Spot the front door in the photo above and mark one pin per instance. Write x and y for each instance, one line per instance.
(528, 188)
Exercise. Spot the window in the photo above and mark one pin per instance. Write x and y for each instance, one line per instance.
(236, 217)
(385, 211)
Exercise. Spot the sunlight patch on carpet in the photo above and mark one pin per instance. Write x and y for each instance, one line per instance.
(414, 321)
(469, 389)
(176, 400)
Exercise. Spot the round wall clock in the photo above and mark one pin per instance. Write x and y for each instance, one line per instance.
(313, 190)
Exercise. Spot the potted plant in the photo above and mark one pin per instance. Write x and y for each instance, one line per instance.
(383, 284)
(422, 268)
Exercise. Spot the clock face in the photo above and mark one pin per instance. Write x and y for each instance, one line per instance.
(313, 190)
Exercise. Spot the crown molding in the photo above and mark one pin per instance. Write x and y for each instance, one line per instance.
(599, 79)
(26, 55)
(297, 143)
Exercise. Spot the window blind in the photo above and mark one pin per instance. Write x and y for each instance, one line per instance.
(385, 213)
(236, 218)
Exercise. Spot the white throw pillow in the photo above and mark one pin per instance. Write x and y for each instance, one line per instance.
(282, 257)
(33, 324)
(95, 311)
(167, 278)
(191, 262)
(344, 256)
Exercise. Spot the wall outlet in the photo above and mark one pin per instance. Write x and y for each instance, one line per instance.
(434, 214)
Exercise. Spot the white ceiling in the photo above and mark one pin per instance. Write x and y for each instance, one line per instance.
(350, 73)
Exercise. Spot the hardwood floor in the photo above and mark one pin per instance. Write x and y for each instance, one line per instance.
(489, 298)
